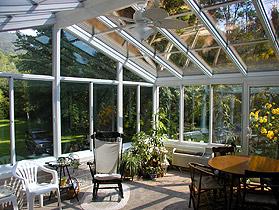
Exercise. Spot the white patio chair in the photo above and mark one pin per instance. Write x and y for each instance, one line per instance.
(26, 171)
(8, 195)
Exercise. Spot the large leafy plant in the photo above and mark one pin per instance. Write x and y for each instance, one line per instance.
(265, 121)
(148, 152)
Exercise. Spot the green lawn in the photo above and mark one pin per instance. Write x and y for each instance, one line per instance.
(20, 129)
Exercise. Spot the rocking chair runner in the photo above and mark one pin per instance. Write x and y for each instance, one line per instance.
(105, 169)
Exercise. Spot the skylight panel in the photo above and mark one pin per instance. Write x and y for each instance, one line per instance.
(238, 22)
(272, 10)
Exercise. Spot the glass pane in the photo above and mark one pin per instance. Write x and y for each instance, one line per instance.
(207, 3)
(146, 106)
(196, 113)
(191, 69)
(104, 109)
(162, 72)
(33, 119)
(74, 117)
(158, 42)
(264, 118)
(130, 112)
(179, 59)
(272, 9)
(79, 59)
(227, 100)
(259, 57)
(4, 122)
(169, 111)
(26, 51)
(239, 22)
(130, 76)
(218, 60)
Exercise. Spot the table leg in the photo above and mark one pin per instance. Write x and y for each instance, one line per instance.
(71, 181)
(231, 193)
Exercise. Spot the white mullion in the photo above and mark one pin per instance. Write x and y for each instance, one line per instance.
(155, 106)
(120, 97)
(245, 118)
(181, 114)
(56, 35)
(12, 121)
(138, 108)
(91, 114)
(211, 110)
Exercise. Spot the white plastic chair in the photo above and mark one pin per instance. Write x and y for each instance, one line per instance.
(8, 195)
(26, 171)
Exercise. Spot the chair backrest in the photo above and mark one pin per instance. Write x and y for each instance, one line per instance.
(222, 151)
(107, 151)
(26, 170)
(268, 180)
(197, 171)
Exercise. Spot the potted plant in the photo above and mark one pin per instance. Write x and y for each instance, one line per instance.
(63, 181)
(151, 152)
(130, 164)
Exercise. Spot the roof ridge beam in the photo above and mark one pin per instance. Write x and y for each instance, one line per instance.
(158, 58)
(190, 55)
(36, 8)
(90, 10)
(229, 50)
(266, 24)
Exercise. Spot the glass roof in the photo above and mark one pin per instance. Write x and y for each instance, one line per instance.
(177, 38)
(272, 10)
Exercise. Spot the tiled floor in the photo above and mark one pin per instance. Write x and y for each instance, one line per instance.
(168, 192)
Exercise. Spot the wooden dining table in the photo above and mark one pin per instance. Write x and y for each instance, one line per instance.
(236, 166)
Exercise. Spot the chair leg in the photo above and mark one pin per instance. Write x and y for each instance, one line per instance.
(30, 202)
(120, 190)
(14, 202)
(95, 190)
(41, 200)
(59, 199)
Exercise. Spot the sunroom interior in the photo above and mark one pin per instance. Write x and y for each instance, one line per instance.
(72, 67)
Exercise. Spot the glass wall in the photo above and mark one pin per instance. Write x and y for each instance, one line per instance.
(169, 111)
(26, 51)
(129, 112)
(104, 109)
(196, 113)
(74, 117)
(146, 104)
(4, 122)
(79, 59)
(227, 114)
(33, 119)
(264, 121)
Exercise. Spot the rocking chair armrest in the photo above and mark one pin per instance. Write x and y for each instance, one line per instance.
(92, 168)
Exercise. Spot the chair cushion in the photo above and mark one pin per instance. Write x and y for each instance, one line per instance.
(106, 177)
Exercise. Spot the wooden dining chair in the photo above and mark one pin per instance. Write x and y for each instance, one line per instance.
(224, 150)
(267, 192)
(205, 183)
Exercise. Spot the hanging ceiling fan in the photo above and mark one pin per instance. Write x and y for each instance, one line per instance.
(146, 19)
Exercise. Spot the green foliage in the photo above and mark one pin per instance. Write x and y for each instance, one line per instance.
(131, 163)
(150, 151)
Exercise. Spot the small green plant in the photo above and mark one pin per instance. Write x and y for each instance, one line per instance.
(131, 164)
